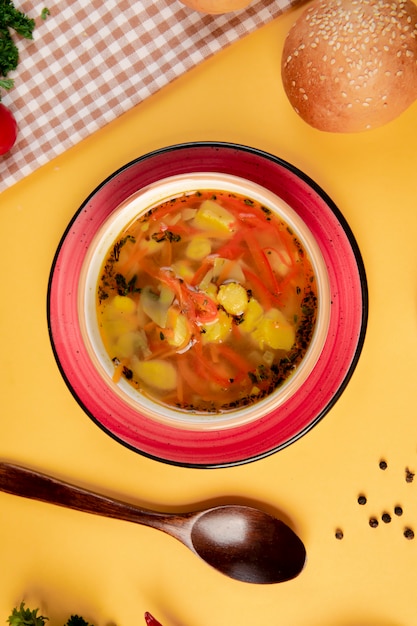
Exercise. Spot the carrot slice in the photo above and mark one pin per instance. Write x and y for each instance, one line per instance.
(165, 255)
(163, 210)
(202, 271)
(232, 249)
(119, 370)
(225, 271)
(237, 360)
(210, 371)
(283, 235)
(240, 367)
(132, 261)
(260, 290)
(263, 267)
(195, 382)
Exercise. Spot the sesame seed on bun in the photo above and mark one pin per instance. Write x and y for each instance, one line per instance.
(351, 65)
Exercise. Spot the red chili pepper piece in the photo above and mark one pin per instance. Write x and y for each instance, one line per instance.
(150, 620)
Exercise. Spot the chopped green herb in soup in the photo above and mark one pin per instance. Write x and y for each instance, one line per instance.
(207, 302)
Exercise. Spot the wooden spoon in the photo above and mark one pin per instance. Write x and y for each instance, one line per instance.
(240, 541)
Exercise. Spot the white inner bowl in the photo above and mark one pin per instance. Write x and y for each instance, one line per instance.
(139, 204)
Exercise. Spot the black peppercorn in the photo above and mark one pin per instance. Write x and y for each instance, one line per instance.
(339, 534)
(383, 464)
(386, 517)
(398, 510)
(408, 533)
(362, 499)
(373, 523)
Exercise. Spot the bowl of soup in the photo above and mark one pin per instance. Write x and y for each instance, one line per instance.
(195, 304)
(204, 300)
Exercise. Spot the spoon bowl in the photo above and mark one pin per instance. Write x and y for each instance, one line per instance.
(242, 542)
(248, 544)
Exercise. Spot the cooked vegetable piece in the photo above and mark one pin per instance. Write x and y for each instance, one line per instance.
(228, 269)
(188, 214)
(217, 330)
(123, 304)
(157, 373)
(156, 305)
(181, 333)
(119, 318)
(274, 331)
(206, 280)
(279, 260)
(183, 269)
(212, 216)
(198, 248)
(233, 298)
(130, 343)
(200, 306)
(253, 314)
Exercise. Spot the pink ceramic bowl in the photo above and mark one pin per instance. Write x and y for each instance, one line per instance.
(192, 439)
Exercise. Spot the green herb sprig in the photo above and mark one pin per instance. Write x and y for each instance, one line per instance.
(11, 19)
(76, 620)
(23, 616)
(26, 617)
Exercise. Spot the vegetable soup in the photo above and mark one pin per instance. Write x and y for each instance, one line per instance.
(207, 302)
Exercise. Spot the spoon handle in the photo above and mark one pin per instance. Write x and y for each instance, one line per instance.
(21, 481)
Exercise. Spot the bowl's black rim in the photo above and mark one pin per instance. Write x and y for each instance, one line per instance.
(361, 272)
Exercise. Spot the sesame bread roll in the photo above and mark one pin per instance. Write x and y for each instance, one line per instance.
(351, 65)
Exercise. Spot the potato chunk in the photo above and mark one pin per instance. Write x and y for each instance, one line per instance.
(212, 216)
(158, 374)
(253, 314)
(218, 330)
(199, 248)
(274, 331)
(233, 298)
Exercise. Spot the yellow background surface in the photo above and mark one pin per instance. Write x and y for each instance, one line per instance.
(111, 572)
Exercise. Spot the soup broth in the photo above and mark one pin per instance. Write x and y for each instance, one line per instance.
(207, 302)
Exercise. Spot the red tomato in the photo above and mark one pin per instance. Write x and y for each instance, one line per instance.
(8, 129)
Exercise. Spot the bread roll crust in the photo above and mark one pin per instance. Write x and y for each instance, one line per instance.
(351, 65)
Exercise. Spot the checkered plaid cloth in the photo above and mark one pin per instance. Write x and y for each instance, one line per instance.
(92, 60)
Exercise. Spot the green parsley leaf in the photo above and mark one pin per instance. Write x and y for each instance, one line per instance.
(12, 18)
(9, 55)
(6, 83)
(25, 617)
(76, 620)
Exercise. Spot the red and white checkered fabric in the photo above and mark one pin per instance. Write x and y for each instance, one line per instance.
(92, 60)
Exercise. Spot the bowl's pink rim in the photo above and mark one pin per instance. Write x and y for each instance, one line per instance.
(348, 319)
